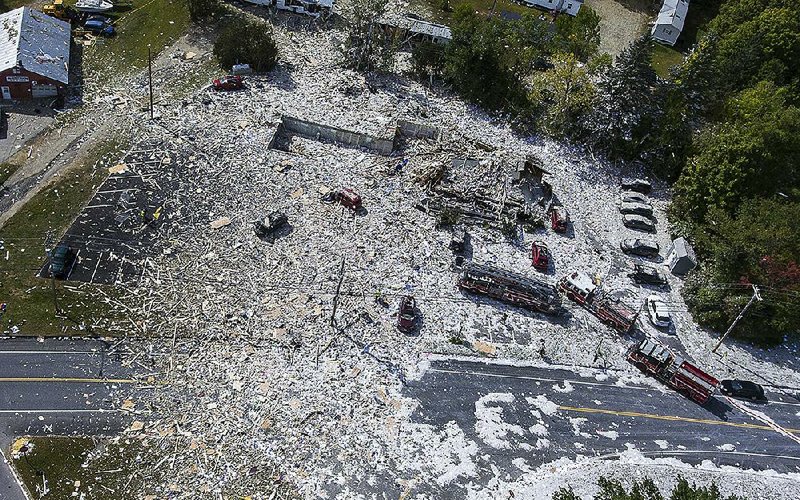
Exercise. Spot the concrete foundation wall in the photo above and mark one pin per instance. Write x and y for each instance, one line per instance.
(317, 132)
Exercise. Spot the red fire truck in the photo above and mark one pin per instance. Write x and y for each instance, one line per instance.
(580, 288)
(657, 360)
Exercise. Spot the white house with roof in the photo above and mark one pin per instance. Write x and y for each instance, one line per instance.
(34, 54)
(570, 7)
(669, 23)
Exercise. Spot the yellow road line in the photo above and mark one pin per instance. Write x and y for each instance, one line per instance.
(70, 379)
(673, 418)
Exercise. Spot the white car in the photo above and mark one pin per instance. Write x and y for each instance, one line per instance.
(657, 312)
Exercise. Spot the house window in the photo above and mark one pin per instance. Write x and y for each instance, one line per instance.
(569, 5)
(16, 71)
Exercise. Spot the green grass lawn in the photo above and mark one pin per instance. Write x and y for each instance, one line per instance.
(157, 23)
(698, 17)
(30, 299)
(665, 58)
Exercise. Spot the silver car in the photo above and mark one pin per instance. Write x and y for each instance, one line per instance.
(639, 222)
(636, 208)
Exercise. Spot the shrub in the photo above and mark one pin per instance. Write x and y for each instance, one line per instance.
(247, 41)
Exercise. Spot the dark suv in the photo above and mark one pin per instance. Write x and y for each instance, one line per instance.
(61, 260)
(742, 389)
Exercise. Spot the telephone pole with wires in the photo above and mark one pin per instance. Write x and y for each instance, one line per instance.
(756, 296)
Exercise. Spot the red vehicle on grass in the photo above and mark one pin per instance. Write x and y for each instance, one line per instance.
(540, 256)
(230, 82)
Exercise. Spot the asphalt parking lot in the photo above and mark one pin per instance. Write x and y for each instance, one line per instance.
(118, 226)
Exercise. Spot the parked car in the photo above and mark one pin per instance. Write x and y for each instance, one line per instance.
(742, 389)
(647, 274)
(458, 241)
(635, 208)
(639, 223)
(638, 185)
(99, 25)
(230, 82)
(559, 219)
(633, 197)
(270, 224)
(407, 315)
(61, 260)
(344, 196)
(636, 246)
(657, 311)
(540, 256)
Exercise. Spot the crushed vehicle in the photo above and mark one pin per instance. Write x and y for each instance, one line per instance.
(639, 246)
(579, 288)
(649, 275)
(633, 197)
(506, 286)
(639, 185)
(230, 82)
(407, 314)
(540, 256)
(61, 260)
(345, 197)
(635, 208)
(639, 222)
(99, 25)
(559, 219)
(655, 359)
(458, 240)
(271, 223)
(742, 389)
(657, 311)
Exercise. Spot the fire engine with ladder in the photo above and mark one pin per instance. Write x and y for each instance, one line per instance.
(657, 360)
(580, 288)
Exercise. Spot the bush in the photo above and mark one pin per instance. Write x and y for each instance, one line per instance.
(611, 489)
(247, 41)
(201, 9)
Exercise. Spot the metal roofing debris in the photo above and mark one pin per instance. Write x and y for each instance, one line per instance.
(37, 42)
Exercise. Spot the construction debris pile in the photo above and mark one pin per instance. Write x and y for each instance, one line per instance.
(285, 351)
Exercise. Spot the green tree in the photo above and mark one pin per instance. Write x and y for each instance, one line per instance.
(755, 152)
(427, 60)
(611, 489)
(202, 9)
(579, 35)
(628, 106)
(246, 40)
(367, 46)
(564, 93)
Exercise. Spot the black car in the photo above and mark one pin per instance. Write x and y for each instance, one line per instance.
(61, 260)
(635, 246)
(648, 275)
(742, 389)
(270, 224)
(638, 185)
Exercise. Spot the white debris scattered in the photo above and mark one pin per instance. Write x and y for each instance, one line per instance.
(613, 435)
(489, 424)
(567, 387)
(543, 404)
(726, 447)
(662, 443)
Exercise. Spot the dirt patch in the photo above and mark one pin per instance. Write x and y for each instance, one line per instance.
(619, 25)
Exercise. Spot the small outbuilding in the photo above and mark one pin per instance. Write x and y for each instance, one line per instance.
(680, 257)
(669, 23)
(570, 7)
(34, 54)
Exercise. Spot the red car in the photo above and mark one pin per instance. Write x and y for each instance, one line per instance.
(407, 315)
(229, 82)
(349, 199)
(559, 218)
(540, 256)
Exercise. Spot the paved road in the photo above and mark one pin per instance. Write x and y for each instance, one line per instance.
(59, 387)
(540, 415)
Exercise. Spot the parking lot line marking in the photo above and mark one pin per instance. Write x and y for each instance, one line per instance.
(673, 418)
(71, 379)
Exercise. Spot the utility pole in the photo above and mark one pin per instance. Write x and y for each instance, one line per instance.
(494, 4)
(150, 75)
(756, 296)
(49, 252)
